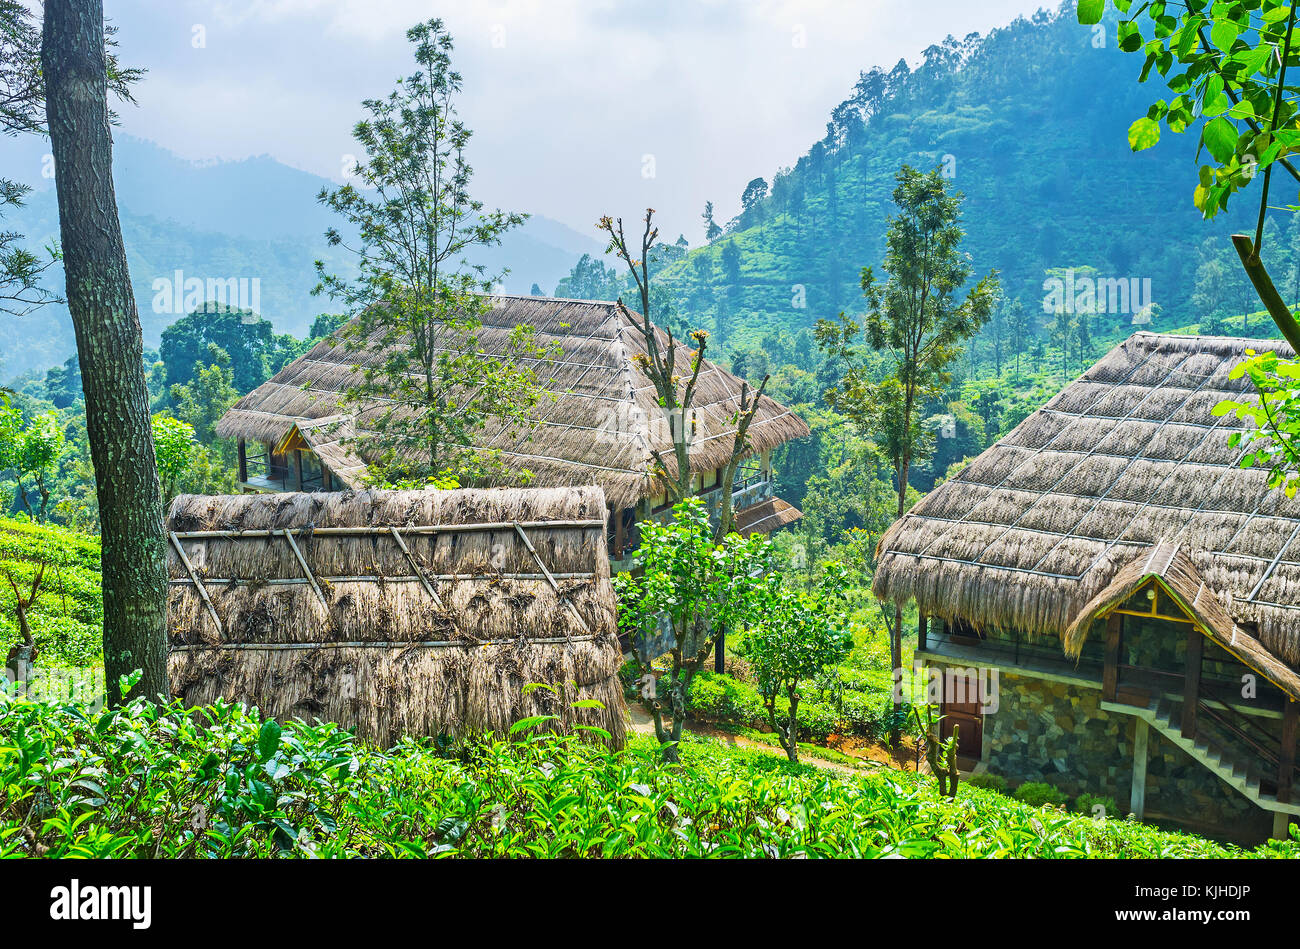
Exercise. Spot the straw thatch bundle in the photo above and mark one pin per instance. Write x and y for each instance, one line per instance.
(597, 425)
(1125, 457)
(397, 612)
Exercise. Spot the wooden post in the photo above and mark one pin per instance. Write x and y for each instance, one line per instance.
(297, 469)
(1192, 680)
(243, 462)
(1110, 672)
(1286, 753)
(1138, 795)
(920, 631)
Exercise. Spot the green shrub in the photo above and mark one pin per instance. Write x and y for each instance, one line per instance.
(1039, 794)
(1095, 805)
(721, 698)
(986, 779)
(218, 781)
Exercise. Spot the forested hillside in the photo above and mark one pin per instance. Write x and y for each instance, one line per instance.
(1030, 124)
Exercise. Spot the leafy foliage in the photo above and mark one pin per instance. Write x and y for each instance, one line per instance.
(1274, 441)
(151, 781)
(174, 447)
(64, 615)
(696, 588)
(792, 637)
(31, 449)
(415, 298)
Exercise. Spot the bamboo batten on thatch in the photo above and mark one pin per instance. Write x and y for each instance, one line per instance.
(1127, 456)
(397, 612)
(597, 425)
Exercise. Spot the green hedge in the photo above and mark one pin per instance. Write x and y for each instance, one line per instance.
(724, 699)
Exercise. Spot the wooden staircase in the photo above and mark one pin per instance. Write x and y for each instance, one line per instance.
(1231, 766)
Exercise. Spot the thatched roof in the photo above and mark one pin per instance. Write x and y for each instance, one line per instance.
(1127, 456)
(766, 516)
(1168, 567)
(397, 612)
(599, 429)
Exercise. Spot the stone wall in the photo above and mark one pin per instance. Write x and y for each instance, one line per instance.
(1058, 733)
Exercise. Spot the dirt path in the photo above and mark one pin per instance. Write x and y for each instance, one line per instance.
(642, 722)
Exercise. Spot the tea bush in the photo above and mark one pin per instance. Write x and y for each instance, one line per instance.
(986, 779)
(67, 618)
(218, 781)
(1096, 805)
(722, 698)
(1039, 794)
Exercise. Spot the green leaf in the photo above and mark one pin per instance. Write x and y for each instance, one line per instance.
(1090, 11)
(268, 739)
(1143, 134)
(1223, 34)
(1220, 137)
(529, 722)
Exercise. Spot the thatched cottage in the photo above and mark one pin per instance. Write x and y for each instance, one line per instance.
(598, 425)
(1125, 594)
(398, 612)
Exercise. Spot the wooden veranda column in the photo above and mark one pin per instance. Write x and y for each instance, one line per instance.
(297, 469)
(1192, 680)
(243, 462)
(921, 631)
(1286, 753)
(1110, 671)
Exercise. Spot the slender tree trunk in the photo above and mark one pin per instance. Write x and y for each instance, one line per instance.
(109, 346)
(896, 634)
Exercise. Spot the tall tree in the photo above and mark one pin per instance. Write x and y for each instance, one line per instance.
(731, 303)
(918, 320)
(1020, 323)
(416, 300)
(109, 346)
(675, 388)
(711, 228)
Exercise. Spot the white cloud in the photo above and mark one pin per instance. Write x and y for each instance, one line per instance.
(565, 96)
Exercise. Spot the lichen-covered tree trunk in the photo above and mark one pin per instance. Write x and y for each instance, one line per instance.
(109, 345)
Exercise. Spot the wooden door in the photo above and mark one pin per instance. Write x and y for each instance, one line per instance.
(961, 706)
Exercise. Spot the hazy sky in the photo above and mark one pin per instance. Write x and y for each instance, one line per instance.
(578, 106)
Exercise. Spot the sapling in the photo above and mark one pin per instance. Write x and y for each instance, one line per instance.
(795, 637)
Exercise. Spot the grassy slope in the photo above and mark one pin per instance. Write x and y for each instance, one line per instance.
(67, 619)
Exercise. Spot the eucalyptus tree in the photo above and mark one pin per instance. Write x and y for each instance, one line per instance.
(916, 321)
(418, 304)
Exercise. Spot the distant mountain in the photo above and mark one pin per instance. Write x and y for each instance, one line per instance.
(1030, 123)
(242, 221)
